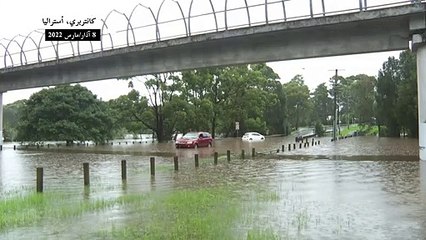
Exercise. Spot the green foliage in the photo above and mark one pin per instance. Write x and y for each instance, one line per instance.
(322, 104)
(396, 96)
(11, 116)
(358, 98)
(210, 99)
(298, 104)
(319, 129)
(65, 113)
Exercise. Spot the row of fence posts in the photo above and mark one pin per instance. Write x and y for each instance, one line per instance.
(301, 144)
(86, 172)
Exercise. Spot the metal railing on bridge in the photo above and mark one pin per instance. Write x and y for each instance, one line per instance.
(184, 18)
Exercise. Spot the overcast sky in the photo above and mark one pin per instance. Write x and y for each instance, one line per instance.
(23, 16)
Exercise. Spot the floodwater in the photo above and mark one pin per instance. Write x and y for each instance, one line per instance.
(356, 188)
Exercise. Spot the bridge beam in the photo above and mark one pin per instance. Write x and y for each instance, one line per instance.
(418, 28)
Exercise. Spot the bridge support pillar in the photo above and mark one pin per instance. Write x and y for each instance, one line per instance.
(421, 94)
(418, 30)
(1, 118)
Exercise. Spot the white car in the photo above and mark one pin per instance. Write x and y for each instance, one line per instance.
(253, 136)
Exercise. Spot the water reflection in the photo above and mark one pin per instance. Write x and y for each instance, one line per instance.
(346, 196)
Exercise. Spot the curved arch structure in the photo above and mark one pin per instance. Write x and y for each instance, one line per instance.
(189, 16)
(19, 45)
(6, 52)
(53, 45)
(127, 30)
(39, 59)
(247, 9)
(157, 31)
(181, 12)
(78, 47)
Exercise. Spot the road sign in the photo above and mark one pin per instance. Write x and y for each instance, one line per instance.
(237, 125)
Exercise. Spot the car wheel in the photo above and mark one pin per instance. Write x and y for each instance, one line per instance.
(250, 139)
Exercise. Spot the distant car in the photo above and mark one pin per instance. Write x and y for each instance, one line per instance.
(253, 136)
(177, 136)
(194, 140)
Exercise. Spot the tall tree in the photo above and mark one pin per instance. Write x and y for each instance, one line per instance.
(65, 113)
(322, 104)
(360, 94)
(406, 108)
(161, 90)
(298, 104)
(11, 115)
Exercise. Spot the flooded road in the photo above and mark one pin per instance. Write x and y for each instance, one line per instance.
(357, 188)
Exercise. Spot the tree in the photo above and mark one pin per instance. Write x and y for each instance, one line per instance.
(406, 108)
(322, 104)
(65, 113)
(298, 104)
(360, 97)
(11, 115)
(396, 96)
(161, 91)
(131, 113)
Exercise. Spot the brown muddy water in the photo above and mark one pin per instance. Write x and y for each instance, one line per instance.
(357, 188)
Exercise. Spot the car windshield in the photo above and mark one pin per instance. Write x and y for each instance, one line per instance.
(191, 135)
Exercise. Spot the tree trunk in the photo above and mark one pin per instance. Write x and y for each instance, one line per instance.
(214, 125)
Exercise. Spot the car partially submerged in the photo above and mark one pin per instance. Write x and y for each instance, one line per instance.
(253, 136)
(194, 140)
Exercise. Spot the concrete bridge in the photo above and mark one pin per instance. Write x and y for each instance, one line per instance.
(363, 30)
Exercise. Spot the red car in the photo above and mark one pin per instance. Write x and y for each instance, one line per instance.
(194, 140)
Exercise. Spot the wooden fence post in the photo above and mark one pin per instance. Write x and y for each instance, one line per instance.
(152, 165)
(176, 163)
(86, 174)
(39, 180)
(123, 170)
(228, 155)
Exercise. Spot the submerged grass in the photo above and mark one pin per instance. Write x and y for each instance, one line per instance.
(261, 234)
(188, 214)
(29, 209)
(197, 213)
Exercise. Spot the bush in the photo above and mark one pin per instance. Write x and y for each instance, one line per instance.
(319, 129)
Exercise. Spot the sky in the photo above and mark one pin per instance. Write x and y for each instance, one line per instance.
(23, 16)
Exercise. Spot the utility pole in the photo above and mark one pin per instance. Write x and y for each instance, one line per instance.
(335, 110)
(335, 106)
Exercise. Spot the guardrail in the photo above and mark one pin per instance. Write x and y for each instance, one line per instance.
(220, 16)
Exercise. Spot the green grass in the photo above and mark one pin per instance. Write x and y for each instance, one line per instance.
(198, 213)
(188, 214)
(26, 210)
(260, 234)
(366, 130)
